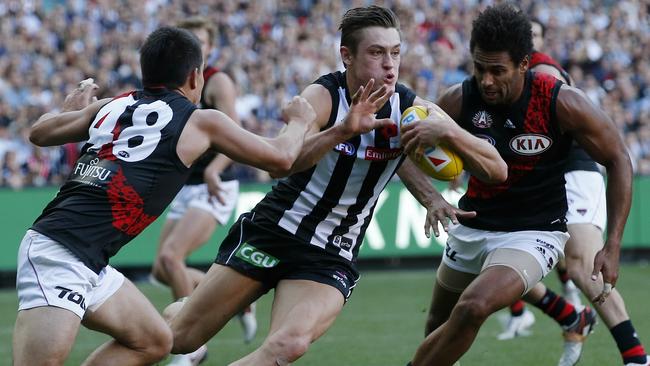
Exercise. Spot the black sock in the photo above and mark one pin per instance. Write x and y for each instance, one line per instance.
(557, 308)
(628, 343)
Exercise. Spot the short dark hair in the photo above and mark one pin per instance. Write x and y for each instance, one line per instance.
(502, 28)
(541, 25)
(168, 56)
(356, 19)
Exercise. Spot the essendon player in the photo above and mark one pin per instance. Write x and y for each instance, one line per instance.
(519, 231)
(139, 150)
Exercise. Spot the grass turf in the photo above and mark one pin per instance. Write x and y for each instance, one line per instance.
(383, 324)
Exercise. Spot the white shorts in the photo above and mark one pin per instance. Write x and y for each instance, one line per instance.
(199, 197)
(50, 275)
(585, 193)
(468, 248)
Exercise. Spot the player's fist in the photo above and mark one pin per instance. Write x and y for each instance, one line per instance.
(298, 110)
(81, 96)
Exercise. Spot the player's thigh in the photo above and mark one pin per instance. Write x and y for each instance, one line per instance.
(129, 317)
(168, 227)
(447, 288)
(586, 240)
(190, 232)
(305, 307)
(44, 334)
(221, 294)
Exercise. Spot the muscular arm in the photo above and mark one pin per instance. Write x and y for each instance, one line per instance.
(211, 128)
(481, 159)
(61, 128)
(438, 209)
(597, 134)
(359, 120)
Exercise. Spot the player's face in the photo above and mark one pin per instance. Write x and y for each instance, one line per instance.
(377, 56)
(204, 37)
(499, 80)
(538, 37)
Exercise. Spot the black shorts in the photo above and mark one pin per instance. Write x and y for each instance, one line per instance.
(259, 249)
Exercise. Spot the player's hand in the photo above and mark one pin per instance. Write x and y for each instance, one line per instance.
(441, 211)
(419, 135)
(298, 110)
(606, 262)
(81, 96)
(365, 103)
(213, 180)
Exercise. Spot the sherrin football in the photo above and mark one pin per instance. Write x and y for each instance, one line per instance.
(439, 162)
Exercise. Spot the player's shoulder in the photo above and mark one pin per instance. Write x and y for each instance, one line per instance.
(331, 81)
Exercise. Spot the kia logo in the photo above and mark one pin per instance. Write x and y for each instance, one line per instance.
(530, 144)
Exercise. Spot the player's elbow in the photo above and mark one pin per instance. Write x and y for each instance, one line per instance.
(281, 166)
(499, 173)
(38, 137)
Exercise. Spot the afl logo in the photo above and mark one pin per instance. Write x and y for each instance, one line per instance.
(345, 148)
(487, 138)
(530, 144)
(482, 119)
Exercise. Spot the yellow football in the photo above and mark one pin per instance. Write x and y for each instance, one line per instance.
(439, 162)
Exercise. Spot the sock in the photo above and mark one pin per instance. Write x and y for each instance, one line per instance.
(517, 309)
(564, 275)
(628, 343)
(557, 308)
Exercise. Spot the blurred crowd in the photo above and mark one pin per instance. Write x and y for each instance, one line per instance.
(274, 48)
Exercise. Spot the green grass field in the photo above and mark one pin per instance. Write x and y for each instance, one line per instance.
(382, 325)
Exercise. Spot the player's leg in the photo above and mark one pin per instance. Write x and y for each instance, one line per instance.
(140, 335)
(44, 336)
(569, 289)
(190, 232)
(495, 288)
(52, 285)
(157, 270)
(586, 240)
(222, 293)
(302, 311)
(446, 291)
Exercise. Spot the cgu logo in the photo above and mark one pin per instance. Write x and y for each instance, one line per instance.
(256, 257)
(530, 144)
(345, 148)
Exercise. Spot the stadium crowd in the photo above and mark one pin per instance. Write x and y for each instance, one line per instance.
(274, 48)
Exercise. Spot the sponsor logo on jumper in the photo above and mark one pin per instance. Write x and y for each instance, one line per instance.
(487, 138)
(530, 144)
(509, 124)
(72, 296)
(345, 148)
(342, 242)
(378, 153)
(256, 257)
(91, 170)
(482, 119)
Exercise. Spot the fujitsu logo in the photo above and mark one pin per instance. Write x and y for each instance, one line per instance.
(91, 170)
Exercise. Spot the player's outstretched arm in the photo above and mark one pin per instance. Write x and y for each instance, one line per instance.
(211, 128)
(71, 124)
(598, 135)
(360, 119)
(438, 209)
(481, 159)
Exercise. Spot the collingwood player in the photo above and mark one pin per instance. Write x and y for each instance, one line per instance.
(303, 238)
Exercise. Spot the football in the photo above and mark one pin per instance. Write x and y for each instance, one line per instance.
(439, 161)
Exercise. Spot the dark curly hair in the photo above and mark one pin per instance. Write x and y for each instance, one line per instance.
(500, 28)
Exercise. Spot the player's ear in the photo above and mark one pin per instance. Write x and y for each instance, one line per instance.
(194, 78)
(346, 56)
(524, 64)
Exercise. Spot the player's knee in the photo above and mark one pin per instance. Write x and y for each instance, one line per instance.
(472, 311)
(169, 261)
(156, 345)
(184, 339)
(288, 347)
